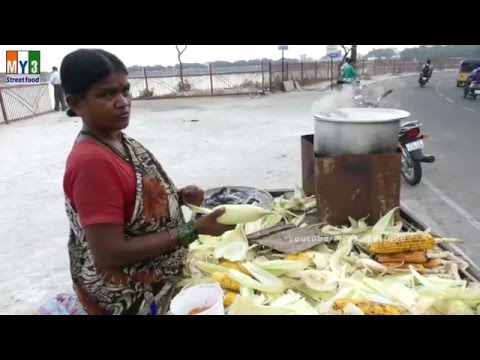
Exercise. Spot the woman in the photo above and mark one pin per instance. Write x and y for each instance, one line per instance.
(128, 237)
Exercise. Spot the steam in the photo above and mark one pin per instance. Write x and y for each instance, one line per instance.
(344, 98)
(337, 99)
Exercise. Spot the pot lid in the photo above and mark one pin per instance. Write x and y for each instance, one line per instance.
(362, 115)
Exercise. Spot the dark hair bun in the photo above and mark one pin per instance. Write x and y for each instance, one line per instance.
(84, 67)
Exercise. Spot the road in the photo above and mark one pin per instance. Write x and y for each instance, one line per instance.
(448, 198)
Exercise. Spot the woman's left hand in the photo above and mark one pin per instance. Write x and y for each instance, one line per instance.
(191, 194)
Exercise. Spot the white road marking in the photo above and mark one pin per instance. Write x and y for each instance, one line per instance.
(469, 109)
(455, 206)
(450, 202)
(440, 94)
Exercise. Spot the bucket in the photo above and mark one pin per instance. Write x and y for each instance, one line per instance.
(203, 299)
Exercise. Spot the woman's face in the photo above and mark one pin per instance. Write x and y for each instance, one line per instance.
(107, 104)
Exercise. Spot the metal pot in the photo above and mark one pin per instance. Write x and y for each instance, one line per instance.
(357, 131)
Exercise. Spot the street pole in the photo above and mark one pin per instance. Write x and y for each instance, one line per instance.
(331, 73)
(332, 52)
(283, 48)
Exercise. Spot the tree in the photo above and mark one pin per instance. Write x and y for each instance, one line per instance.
(440, 52)
(180, 61)
(346, 51)
(354, 52)
(381, 53)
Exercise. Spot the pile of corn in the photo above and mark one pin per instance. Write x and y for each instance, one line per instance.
(367, 270)
(401, 252)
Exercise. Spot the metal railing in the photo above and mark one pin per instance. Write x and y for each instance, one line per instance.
(23, 101)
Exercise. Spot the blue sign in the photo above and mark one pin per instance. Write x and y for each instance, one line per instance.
(282, 47)
(334, 55)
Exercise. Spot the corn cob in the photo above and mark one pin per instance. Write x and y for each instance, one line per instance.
(405, 265)
(234, 265)
(229, 298)
(234, 213)
(431, 263)
(417, 257)
(239, 214)
(299, 256)
(413, 242)
(370, 307)
(224, 281)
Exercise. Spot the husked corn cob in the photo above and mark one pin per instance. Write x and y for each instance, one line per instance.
(234, 265)
(224, 281)
(413, 242)
(370, 307)
(234, 213)
(229, 298)
(417, 257)
(299, 256)
(431, 263)
(239, 214)
(405, 265)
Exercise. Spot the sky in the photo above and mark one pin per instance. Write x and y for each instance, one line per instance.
(144, 55)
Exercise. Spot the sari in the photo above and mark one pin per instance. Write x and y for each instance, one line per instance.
(144, 287)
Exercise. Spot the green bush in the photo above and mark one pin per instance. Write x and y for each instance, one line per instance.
(184, 86)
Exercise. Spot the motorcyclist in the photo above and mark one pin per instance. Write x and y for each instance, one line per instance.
(427, 70)
(342, 68)
(344, 65)
(473, 76)
(349, 74)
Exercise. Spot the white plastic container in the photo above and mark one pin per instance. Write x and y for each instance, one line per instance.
(208, 296)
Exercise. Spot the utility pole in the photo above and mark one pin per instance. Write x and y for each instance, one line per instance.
(283, 48)
(332, 52)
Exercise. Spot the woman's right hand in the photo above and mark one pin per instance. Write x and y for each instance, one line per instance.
(208, 225)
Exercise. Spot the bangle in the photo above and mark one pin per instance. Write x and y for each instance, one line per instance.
(187, 233)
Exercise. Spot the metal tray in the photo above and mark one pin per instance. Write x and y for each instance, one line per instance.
(237, 195)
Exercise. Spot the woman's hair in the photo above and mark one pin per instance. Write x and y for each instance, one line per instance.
(84, 67)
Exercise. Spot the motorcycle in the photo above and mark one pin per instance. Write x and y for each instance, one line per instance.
(472, 91)
(410, 144)
(422, 80)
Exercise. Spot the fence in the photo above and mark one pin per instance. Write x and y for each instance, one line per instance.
(22, 101)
